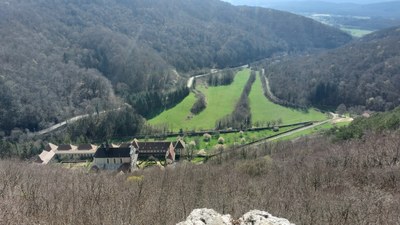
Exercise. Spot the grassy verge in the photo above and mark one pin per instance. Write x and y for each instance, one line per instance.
(314, 130)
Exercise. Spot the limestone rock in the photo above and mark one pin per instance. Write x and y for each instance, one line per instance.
(206, 217)
(257, 217)
(211, 217)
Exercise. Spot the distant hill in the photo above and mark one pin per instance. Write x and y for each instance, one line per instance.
(385, 9)
(388, 10)
(365, 72)
(61, 58)
(366, 15)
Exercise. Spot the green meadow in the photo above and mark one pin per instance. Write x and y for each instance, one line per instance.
(314, 130)
(221, 101)
(263, 110)
(176, 117)
(356, 32)
(229, 139)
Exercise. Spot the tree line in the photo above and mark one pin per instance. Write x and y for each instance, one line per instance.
(200, 103)
(241, 115)
(222, 78)
(152, 103)
(278, 101)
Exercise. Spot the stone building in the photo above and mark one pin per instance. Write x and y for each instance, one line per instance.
(111, 157)
(67, 153)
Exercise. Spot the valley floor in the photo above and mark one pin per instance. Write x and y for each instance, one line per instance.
(221, 101)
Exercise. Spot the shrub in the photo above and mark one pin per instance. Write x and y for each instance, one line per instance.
(192, 144)
(206, 137)
(134, 179)
(256, 167)
(199, 105)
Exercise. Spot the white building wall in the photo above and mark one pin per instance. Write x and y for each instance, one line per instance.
(110, 163)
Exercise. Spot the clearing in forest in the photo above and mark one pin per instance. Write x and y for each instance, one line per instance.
(221, 101)
(263, 110)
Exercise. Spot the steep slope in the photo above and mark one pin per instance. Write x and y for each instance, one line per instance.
(365, 72)
(55, 55)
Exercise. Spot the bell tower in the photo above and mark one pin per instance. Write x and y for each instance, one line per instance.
(134, 153)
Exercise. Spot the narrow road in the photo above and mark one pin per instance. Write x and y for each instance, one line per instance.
(191, 79)
(299, 130)
(269, 92)
(72, 120)
(266, 140)
(213, 71)
(58, 125)
(335, 118)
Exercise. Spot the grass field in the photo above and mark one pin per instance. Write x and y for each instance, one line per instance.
(263, 110)
(230, 139)
(317, 129)
(356, 32)
(177, 116)
(221, 101)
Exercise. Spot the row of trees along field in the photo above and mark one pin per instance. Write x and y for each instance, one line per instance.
(152, 103)
(200, 104)
(225, 77)
(241, 115)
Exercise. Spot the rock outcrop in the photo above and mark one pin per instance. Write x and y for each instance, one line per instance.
(254, 217)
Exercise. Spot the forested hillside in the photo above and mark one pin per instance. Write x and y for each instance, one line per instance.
(62, 58)
(365, 73)
(379, 122)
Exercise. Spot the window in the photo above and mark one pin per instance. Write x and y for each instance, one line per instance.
(108, 161)
(120, 160)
